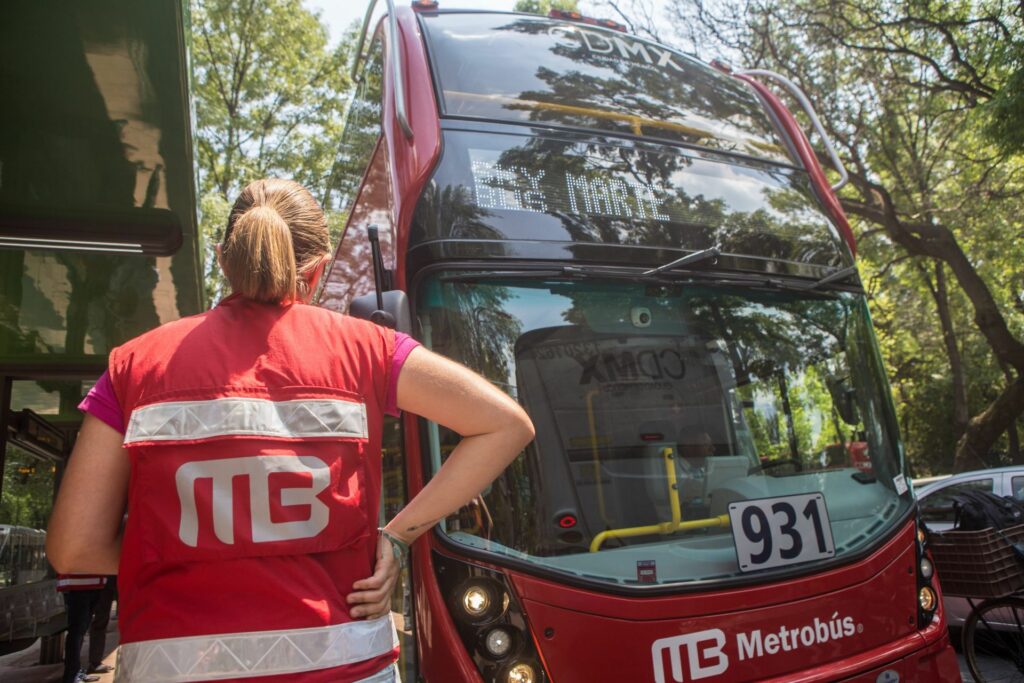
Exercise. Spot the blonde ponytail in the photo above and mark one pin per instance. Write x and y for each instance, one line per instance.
(260, 256)
(276, 237)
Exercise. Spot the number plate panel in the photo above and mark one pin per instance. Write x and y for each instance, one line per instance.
(774, 532)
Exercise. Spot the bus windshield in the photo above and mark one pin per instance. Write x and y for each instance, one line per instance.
(684, 433)
(531, 69)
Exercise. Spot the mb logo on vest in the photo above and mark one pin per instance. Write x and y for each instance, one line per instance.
(704, 656)
(269, 487)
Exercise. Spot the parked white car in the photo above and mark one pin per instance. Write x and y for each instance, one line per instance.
(935, 501)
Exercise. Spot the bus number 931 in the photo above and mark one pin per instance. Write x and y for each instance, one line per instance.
(773, 532)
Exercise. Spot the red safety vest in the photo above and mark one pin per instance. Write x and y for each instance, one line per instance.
(254, 435)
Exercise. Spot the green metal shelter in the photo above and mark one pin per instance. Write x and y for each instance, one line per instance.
(98, 240)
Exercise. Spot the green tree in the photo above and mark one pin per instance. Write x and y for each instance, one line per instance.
(912, 92)
(545, 6)
(27, 496)
(1006, 109)
(270, 96)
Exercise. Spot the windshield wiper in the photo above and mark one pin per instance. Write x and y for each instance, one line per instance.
(500, 275)
(568, 271)
(696, 257)
(659, 274)
(840, 274)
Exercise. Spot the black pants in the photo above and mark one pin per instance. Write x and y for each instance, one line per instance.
(100, 620)
(81, 606)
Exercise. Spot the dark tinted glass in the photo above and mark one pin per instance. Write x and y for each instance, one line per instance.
(94, 127)
(531, 69)
(94, 148)
(501, 187)
(754, 394)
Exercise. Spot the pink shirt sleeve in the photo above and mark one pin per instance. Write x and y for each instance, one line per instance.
(404, 344)
(101, 402)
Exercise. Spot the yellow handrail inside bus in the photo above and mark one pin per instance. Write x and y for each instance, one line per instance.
(636, 123)
(596, 453)
(677, 523)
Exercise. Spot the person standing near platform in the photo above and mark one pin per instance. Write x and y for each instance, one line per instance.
(98, 628)
(81, 595)
(245, 443)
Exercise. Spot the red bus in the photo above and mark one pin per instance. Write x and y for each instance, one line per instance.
(644, 251)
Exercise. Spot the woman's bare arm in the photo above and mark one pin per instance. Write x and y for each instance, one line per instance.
(493, 426)
(84, 532)
(494, 430)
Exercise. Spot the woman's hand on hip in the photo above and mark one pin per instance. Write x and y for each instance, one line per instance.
(371, 598)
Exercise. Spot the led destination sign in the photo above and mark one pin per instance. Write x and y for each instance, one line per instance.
(538, 188)
(591, 192)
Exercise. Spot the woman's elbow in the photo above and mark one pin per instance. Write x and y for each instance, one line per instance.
(57, 554)
(67, 553)
(522, 428)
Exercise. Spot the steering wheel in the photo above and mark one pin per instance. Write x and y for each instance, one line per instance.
(772, 464)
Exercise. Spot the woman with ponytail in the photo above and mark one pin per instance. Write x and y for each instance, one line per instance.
(244, 446)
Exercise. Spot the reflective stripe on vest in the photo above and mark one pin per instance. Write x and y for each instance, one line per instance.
(234, 416)
(87, 582)
(258, 653)
(388, 675)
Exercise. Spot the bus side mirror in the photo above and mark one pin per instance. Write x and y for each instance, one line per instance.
(396, 307)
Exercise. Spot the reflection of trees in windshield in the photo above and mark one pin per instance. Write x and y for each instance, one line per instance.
(781, 222)
(676, 98)
(471, 324)
(805, 375)
(485, 334)
(719, 375)
(451, 211)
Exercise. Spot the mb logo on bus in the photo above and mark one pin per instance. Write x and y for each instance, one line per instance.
(702, 652)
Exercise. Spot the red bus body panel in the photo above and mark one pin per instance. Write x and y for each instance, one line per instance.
(410, 161)
(871, 604)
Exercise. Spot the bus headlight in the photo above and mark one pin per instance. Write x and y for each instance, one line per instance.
(521, 673)
(927, 568)
(476, 600)
(498, 642)
(480, 600)
(490, 621)
(926, 599)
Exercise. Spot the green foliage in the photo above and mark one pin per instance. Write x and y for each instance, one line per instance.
(545, 6)
(270, 95)
(925, 101)
(28, 490)
(1007, 111)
